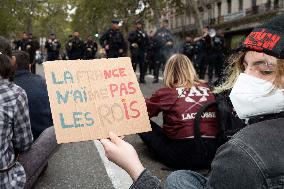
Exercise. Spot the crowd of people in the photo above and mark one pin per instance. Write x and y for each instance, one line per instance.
(149, 52)
(75, 48)
(234, 130)
(249, 105)
(152, 51)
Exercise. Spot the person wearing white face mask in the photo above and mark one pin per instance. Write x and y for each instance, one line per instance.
(252, 97)
(253, 158)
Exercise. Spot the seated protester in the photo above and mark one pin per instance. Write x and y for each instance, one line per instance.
(15, 132)
(253, 158)
(35, 87)
(17, 148)
(179, 101)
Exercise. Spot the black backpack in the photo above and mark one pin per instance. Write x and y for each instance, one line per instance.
(228, 122)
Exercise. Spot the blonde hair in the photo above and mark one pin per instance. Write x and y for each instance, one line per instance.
(236, 67)
(179, 72)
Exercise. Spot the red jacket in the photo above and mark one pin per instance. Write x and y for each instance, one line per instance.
(179, 107)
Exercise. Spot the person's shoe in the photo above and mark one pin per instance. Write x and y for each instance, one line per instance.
(156, 81)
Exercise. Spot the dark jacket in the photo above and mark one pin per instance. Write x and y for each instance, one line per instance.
(39, 108)
(252, 159)
(90, 50)
(179, 107)
(53, 48)
(114, 39)
(28, 45)
(140, 39)
(165, 40)
(75, 48)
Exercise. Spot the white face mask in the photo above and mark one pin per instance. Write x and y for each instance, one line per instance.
(252, 96)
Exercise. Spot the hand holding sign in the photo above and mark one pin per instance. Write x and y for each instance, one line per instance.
(89, 98)
(123, 154)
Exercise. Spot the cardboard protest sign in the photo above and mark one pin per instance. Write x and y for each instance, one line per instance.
(89, 98)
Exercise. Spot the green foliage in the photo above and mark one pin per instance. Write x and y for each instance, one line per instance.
(53, 18)
(91, 16)
(9, 22)
(37, 16)
(95, 16)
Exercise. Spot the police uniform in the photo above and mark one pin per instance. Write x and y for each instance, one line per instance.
(68, 45)
(75, 48)
(53, 47)
(113, 42)
(150, 55)
(189, 49)
(216, 57)
(90, 49)
(30, 46)
(202, 47)
(138, 41)
(164, 39)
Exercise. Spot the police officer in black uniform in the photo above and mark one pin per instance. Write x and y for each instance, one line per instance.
(29, 45)
(150, 53)
(68, 46)
(138, 41)
(203, 44)
(113, 42)
(52, 46)
(23, 44)
(75, 47)
(90, 48)
(34, 47)
(165, 43)
(216, 56)
(188, 48)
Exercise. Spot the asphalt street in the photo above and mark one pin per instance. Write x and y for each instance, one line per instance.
(83, 165)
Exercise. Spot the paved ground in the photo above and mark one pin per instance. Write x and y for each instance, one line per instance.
(83, 165)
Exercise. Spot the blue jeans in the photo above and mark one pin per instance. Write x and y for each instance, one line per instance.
(185, 179)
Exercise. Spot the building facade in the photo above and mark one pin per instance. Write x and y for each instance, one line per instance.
(235, 18)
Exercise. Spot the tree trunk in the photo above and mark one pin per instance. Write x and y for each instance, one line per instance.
(157, 13)
(30, 17)
(192, 5)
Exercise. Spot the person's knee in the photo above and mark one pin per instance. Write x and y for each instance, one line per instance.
(48, 132)
(175, 180)
(47, 138)
(184, 179)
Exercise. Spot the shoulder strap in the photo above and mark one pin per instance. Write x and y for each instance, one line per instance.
(197, 120)
(198, 117)
(260, 118)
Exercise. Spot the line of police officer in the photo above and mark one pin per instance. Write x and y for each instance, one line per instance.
(152, 52)
(76, 48)
(149, 52)
(206, 51)
(145, 51)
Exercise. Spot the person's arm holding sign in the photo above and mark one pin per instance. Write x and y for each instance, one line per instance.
(124, 155)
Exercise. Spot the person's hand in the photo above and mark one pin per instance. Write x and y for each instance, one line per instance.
(120, 51)
(122, 154)
(106, 47)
